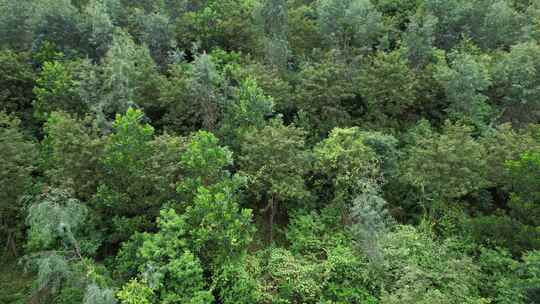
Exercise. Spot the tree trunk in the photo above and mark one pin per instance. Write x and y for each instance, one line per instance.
(271, 214)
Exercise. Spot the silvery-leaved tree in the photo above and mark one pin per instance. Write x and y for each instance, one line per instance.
(61, 240)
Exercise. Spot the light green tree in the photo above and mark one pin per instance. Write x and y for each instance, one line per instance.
(348, 163)
(419, 269)
(57, 89)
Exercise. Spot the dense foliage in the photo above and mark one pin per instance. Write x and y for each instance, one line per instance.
(270, 151)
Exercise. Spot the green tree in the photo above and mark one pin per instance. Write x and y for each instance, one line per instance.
(212, 232)
(348, 164)
(501, 25)
(129, 76)
(235, 283)
(165, 255)
(204, 163)
(515, 80)
(193, 95)
(140, 173)
(98, 27)
(371, 221)
(304, 35)
(155, 30)
(453, 18)
(218, 230)
(206, 91)
(397, 11)
(226, 24)
(57, 89)
(274, 159)
(445, 166)
(18, 157)
(15, 28)
(389, 87)
(326, 93)
(57, 22)
(274, 21)
(465, 80)
(422, 270)
(180, 115)
(350, 23)
(17, 80)
(532, 20)
(249, 109)
(419, 39)
(60, 238)
(71, 153)
(505, 145)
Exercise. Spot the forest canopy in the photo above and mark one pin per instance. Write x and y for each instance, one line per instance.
(270, 151)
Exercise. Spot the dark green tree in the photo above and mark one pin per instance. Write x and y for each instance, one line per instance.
(18, 162)
(274, 159)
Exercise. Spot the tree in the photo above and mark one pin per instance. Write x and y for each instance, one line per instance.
(235, 284)
(57, 22)
(348, 163)
(15, 27)
(204, 164)
(465, 80)
(249, 109)
(71, 153)
(193, 95)
(212, 232)
(524, 172)
(180, 115)
(218, 230)
(61, 237)
(129, 76)
(156, 31)
(389, 87)
(274, 159)
(396, 11)
(205, 87)
(419, 39)
(453, 18)
(532, 17)
(325, 93)
(218, 23)
(98, 27)
(140, 173)
(419, 269)
(17, 80)
(274, 17)
(501, 27)
(515, 79)
(304, 35)
(371, 221)
(445, 166)
(18, 160)
(505, 145)
(350, 23)
(174, 261)
(57, 89)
